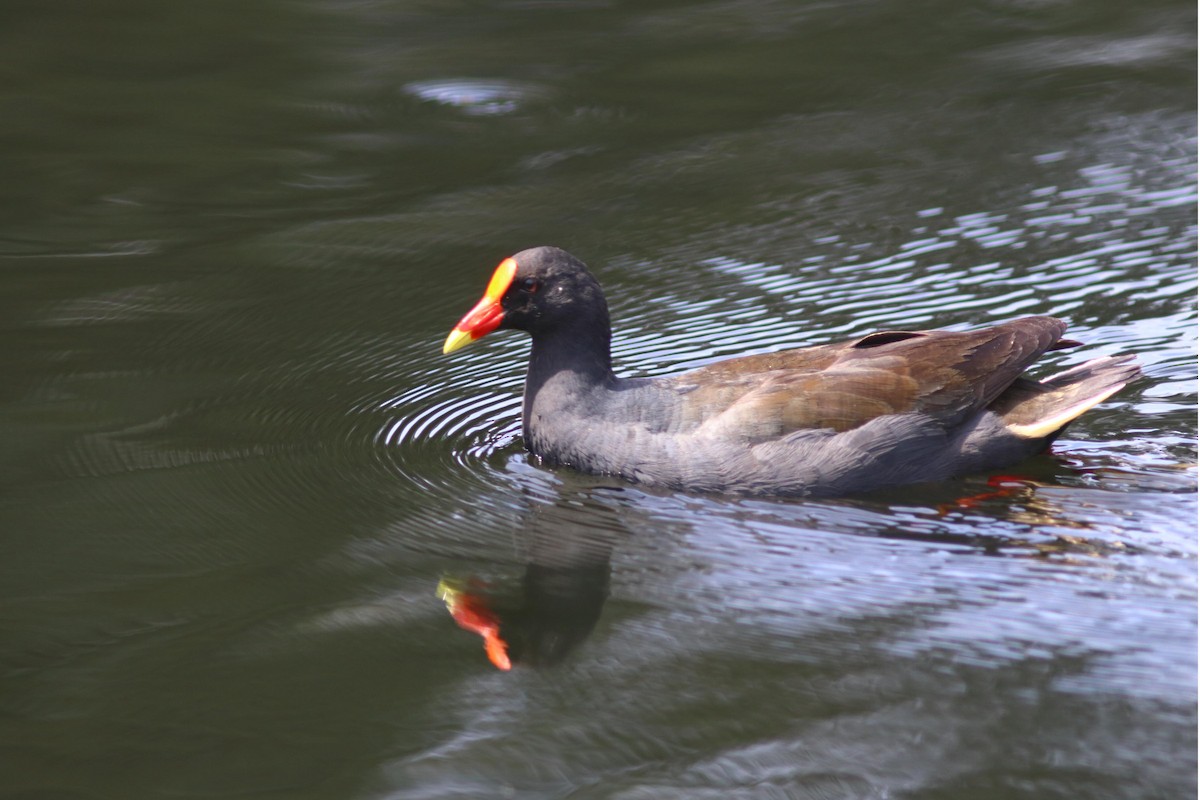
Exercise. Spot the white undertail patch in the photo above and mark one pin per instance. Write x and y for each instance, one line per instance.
(1045, 427)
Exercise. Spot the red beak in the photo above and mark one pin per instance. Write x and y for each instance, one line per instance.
(487, 314)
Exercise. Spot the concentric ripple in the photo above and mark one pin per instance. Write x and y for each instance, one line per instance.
(450, 435)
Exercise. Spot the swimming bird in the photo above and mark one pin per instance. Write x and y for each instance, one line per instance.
(889, 408)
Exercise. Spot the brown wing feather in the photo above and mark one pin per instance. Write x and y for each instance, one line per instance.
(944, 374)
(839, 399)
(965, 372)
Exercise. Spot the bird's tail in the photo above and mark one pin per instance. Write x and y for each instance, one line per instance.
(1040, 410)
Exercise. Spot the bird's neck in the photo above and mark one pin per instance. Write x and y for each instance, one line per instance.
(567, 369)
(580, 354)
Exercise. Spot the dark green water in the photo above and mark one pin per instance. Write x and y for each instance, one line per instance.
(235, 466)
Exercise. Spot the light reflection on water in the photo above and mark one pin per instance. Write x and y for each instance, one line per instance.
(476, 97)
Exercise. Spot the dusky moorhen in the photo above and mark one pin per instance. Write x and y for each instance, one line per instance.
(888, 408)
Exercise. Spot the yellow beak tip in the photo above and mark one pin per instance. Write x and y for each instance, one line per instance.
(457, 339)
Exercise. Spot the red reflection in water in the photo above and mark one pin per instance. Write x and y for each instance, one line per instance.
(472, 613)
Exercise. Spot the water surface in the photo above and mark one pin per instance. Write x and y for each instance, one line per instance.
(236, 467)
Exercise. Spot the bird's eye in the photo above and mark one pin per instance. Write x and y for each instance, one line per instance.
(530, 285)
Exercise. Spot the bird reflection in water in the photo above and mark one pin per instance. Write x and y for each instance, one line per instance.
(471, 610)
(559, 598)
(553, 608)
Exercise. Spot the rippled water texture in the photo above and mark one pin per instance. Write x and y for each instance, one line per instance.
(257, 530)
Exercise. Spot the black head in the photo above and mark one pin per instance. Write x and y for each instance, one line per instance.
(551, 289)
(543, 290)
